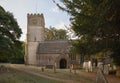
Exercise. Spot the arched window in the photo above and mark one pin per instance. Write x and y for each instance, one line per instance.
(72, 57)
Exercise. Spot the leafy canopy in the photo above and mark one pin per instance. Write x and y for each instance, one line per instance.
(98, 23)
(56, 34)
(9, 36)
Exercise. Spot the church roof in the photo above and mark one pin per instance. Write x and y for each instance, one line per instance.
(53, 47)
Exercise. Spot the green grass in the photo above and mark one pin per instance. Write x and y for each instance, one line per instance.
(67, 75)
(14, 76)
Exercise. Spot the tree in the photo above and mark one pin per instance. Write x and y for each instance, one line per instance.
(9, 36)
(55, 34)
(18, 54)
(98, 23)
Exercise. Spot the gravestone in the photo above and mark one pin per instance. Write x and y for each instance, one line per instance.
(106, 69)
(3, 69)
(54, 67)
(87, 66)
(100, 77)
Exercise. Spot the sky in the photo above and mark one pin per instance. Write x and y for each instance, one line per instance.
(52, 14)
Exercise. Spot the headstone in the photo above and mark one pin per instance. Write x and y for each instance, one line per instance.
(106, 69)
(3, 68)
(54, 67)
(88, 66)
(42, 69)
(100, 77)
(71, 67)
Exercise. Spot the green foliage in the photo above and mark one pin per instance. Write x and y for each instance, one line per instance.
(18, 54)
(98, 23)
(10, 32)
(55, 34)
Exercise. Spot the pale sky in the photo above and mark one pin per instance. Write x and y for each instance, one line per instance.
(20, 8)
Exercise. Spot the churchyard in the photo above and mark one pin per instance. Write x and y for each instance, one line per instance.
(12, 73)
(14, 76)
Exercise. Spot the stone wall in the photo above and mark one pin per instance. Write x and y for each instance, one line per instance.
(63, 56)
(31, 55)
(36, 33)
(51, 59)
(46, 59)
(35, 28)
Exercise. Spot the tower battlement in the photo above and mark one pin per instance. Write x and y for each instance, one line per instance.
(35, 27)
(36, 19)
(34, 14)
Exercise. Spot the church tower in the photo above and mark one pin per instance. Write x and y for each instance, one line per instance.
(35, 35)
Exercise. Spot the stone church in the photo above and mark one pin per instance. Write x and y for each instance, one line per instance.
(40, 52)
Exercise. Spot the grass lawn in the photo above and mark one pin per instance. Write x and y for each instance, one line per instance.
(14, 76)
(76, 78)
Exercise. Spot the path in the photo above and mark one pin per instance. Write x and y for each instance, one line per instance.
(25, 69)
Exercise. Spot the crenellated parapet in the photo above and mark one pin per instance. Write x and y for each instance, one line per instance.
(34, 14)
(36, 19)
